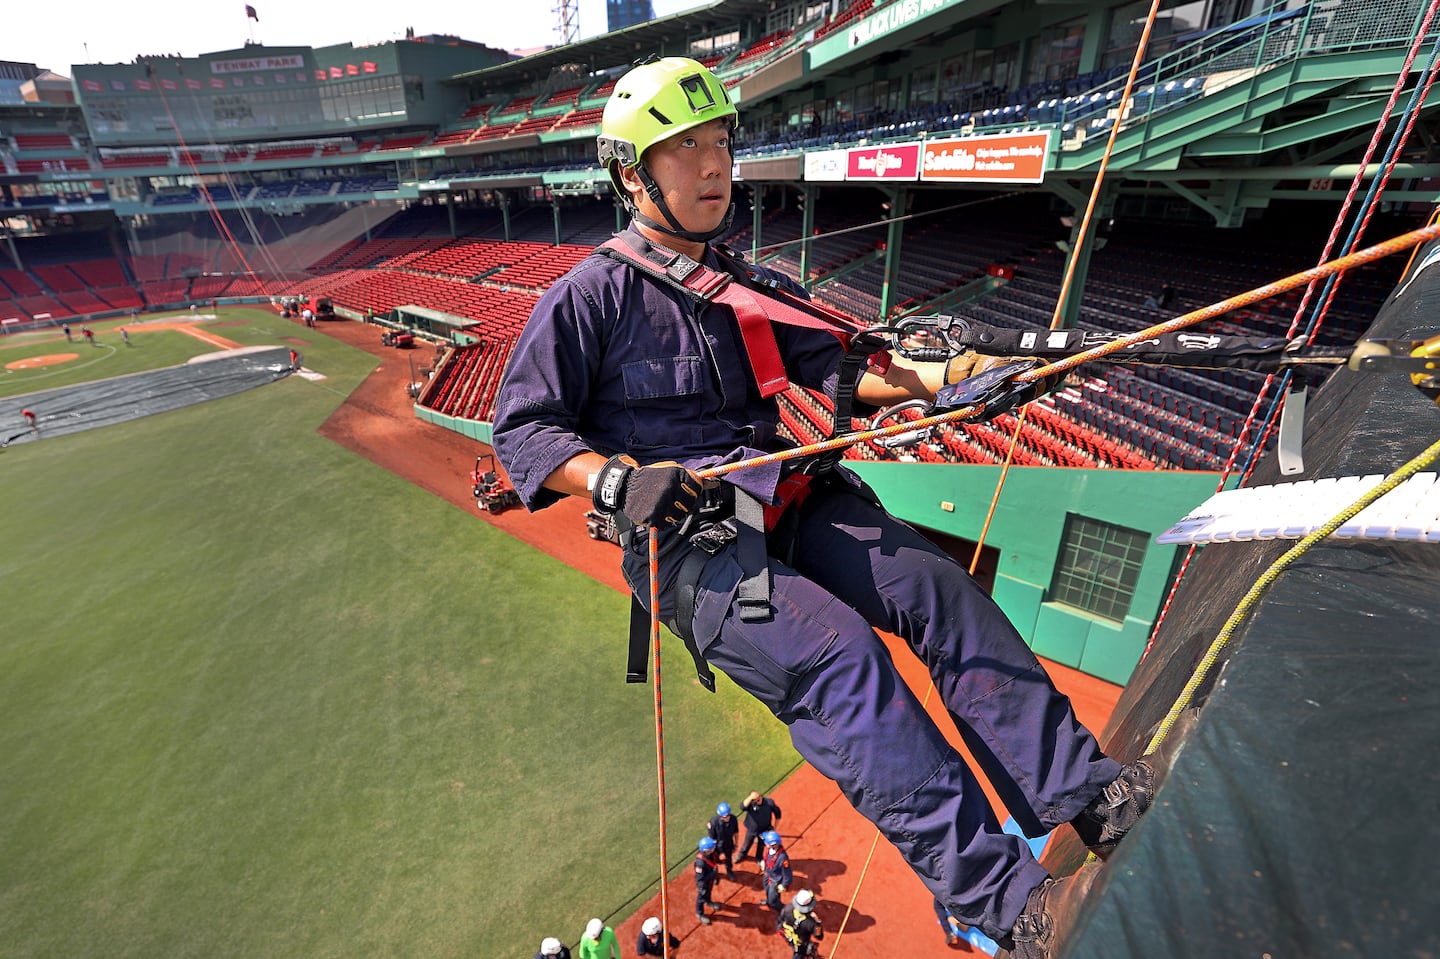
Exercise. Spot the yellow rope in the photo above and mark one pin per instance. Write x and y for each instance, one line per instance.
(850, 906)
(1212, 655)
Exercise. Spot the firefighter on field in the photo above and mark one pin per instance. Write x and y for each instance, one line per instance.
(801, 927)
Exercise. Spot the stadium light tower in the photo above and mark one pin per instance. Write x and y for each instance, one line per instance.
(567, 21)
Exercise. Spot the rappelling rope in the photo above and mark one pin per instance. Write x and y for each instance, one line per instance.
(214, 211)
(1057, 319)
(659, 741)
(1359, 258)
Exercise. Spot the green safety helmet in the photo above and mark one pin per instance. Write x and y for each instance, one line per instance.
(654, 101)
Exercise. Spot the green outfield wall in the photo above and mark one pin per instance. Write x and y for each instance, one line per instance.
(1027, 529)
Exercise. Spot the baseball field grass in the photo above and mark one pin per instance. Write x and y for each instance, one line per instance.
(262, 698)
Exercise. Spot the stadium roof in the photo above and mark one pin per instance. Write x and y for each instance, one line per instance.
(669, 36)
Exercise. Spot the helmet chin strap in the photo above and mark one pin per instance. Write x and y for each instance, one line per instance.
(674, 228)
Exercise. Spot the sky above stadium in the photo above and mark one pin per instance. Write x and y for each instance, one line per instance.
(103, 31)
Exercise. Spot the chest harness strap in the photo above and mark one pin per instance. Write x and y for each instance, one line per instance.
(757, 304)
(755, 309)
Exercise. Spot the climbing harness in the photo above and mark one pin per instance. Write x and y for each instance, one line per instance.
(730, 514)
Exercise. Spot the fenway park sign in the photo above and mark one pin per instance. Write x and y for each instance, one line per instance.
(253, 64)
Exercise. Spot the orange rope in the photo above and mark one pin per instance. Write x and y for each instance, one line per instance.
(995, 499)
(1068, 281)
(659, 742)
(1359, 258)
(1104, 165)
(1348, 262)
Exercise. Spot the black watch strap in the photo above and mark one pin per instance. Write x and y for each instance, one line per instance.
(609, 493)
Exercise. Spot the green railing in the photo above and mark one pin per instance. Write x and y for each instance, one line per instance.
(1278, 35)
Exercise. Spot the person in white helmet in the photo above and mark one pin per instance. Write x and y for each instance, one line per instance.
(599, 942)
(551, 948)
(649, 942)
(801, 926)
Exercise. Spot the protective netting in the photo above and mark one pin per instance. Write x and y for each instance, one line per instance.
(73, 409)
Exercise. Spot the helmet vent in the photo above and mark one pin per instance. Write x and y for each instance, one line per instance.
(660, 116)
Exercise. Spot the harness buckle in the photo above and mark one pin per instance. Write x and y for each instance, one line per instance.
(712, 539)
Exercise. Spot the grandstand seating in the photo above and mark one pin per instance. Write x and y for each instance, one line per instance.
(764, 45)
(281, 151)
(407, 142)
(43, 141)
(853, 10)
(146, 159)
(580, 118)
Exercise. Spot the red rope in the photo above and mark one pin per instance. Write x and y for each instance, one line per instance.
(1265, 387)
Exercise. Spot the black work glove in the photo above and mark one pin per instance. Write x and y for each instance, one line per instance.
(659, 494)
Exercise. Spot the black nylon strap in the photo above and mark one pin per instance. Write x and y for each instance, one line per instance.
(1186, 349)
(754, 559)
(637, 662)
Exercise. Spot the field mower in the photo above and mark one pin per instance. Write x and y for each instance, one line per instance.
(400, 339)
(492, 494)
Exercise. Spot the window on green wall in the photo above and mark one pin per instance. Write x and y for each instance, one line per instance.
(1099, 566)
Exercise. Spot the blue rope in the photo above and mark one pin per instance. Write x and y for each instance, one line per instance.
(1316, 314)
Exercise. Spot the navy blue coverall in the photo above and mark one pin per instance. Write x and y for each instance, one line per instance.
(776, 872)
(705, 875)
(760, 817)
(614, 361)
(723, 830)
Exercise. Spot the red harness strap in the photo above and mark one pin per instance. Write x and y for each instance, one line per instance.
(754, 309)
(793, 490)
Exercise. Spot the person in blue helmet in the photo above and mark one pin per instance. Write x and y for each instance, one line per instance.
(775, 869)
(723, 828)
(624, 386)
(706, 872)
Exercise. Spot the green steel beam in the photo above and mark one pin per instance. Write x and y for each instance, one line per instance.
(894, 237)
(1350, 116)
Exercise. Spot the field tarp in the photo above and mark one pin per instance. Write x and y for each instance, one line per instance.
(88, 406)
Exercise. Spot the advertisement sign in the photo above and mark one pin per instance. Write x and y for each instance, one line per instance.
(253, 64)
(1001, 158)
(825, 165)
(893, 161)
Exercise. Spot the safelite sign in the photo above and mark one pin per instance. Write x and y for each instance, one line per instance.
(1002, 158)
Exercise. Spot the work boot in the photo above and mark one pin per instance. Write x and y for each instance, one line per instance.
(1049, 914)
(1113, 813)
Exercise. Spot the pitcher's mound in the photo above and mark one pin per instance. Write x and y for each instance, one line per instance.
(35, 362)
